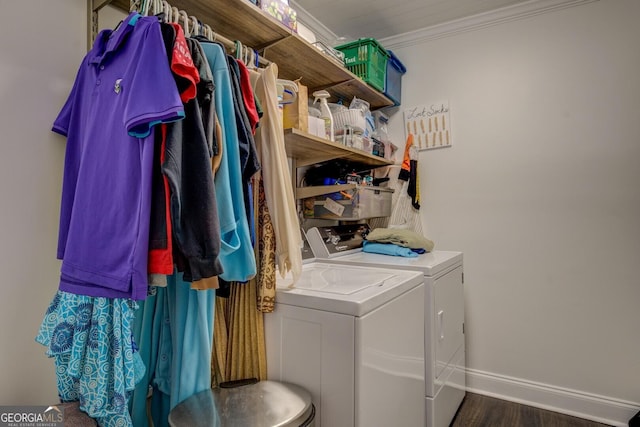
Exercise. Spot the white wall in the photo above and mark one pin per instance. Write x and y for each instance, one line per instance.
(541, 190)
(42, 44)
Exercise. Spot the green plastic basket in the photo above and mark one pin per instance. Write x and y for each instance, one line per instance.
(367, 59)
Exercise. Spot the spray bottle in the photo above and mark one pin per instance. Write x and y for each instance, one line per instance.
(325, 112)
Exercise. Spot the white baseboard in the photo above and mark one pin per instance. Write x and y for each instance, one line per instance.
(601, 409)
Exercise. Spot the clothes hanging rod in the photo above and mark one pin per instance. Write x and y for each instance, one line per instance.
(94, 6)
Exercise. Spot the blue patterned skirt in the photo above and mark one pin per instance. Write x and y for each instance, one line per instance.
(97, 362)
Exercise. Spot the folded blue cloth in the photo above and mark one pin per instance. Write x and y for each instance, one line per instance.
(388, 249)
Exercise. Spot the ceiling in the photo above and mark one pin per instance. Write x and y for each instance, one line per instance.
(352, 19)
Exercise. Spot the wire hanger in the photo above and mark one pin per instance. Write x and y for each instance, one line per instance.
(135, 5)
(195, 26)
(246, 55)
(166, 9)
(185, 23)
(251, 57)
(208, 32)
(238, 49)
(155, 7)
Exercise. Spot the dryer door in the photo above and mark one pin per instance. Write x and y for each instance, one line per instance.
(448, 318)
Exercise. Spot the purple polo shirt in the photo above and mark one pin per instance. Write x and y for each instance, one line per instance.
(124, 86)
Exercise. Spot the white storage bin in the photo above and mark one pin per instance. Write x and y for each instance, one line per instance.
(353, 118)
(366, 202)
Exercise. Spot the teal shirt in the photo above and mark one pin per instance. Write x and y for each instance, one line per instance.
(236, 253)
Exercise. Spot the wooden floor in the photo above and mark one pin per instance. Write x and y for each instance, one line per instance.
(483, 411)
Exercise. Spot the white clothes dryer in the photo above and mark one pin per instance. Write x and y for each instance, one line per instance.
(442, 272)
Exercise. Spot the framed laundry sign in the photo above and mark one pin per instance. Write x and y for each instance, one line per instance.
(429, 124)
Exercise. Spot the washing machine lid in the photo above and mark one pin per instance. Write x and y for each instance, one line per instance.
(346, 289)
(339, 280)
(430, 263)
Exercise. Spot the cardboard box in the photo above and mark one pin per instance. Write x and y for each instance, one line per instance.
(296, 114)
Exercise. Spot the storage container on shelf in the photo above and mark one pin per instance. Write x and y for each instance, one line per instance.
(281, 11)
(393, 84)
(359, 203)
(367, 145)
(354, 140)
(367, 59)
(349, 118)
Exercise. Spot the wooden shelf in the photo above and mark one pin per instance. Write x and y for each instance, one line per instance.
(233, 19)
(298, 58)
(308, 149)
(242, 20)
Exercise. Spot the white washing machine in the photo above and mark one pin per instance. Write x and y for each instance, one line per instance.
(444, 369)
(354, 338)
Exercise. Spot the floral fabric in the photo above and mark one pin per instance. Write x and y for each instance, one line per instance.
(97, 361)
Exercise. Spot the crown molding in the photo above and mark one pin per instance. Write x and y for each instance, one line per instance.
(482, 20)
(320, 30)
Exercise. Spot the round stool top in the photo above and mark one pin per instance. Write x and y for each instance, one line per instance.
(263, 404)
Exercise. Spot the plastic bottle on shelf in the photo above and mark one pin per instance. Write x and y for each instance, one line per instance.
(322, 96)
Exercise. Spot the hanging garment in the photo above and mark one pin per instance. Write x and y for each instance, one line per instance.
(248, 97)
(160, 262)
(265, 252)
(96, 359)
(191, 313)
(404, 213)
(206, 89)
(206, 101)
(186, 77)
(174, 329)
(123, 88)
(212, 282)
(236, 253)
(413, 189)
(147, 327)
(248, 155)
(239, 346)
(276, 176)
(194, 212)
(249, 163)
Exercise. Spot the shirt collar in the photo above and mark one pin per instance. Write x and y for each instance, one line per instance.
(110, 40)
